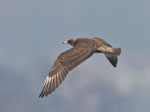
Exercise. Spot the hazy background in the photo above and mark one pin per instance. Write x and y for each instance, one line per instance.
(31, 36)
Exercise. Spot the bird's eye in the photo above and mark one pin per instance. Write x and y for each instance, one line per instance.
(69, 41)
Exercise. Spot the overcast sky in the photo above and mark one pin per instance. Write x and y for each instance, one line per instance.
(31, 36)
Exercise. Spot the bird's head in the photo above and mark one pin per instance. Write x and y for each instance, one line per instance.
(71, 41)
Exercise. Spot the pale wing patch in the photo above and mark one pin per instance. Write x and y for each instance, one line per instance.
(53, 80)
(105, 49)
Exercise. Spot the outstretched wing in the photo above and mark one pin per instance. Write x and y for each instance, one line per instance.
(112, 58)
(64, 63)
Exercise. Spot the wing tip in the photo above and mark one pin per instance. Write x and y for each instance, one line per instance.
(114, 65)
(41, 95)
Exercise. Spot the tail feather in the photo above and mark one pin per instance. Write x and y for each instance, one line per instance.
(117, 51)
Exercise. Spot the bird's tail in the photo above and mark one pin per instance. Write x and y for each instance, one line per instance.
(117, 51)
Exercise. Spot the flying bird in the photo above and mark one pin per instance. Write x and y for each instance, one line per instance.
(82, 49)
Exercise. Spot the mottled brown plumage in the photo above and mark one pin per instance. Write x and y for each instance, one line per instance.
(82, 49)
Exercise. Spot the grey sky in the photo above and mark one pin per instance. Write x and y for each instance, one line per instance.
(31, 36)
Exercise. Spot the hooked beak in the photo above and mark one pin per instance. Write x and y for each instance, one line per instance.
(65, 42)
